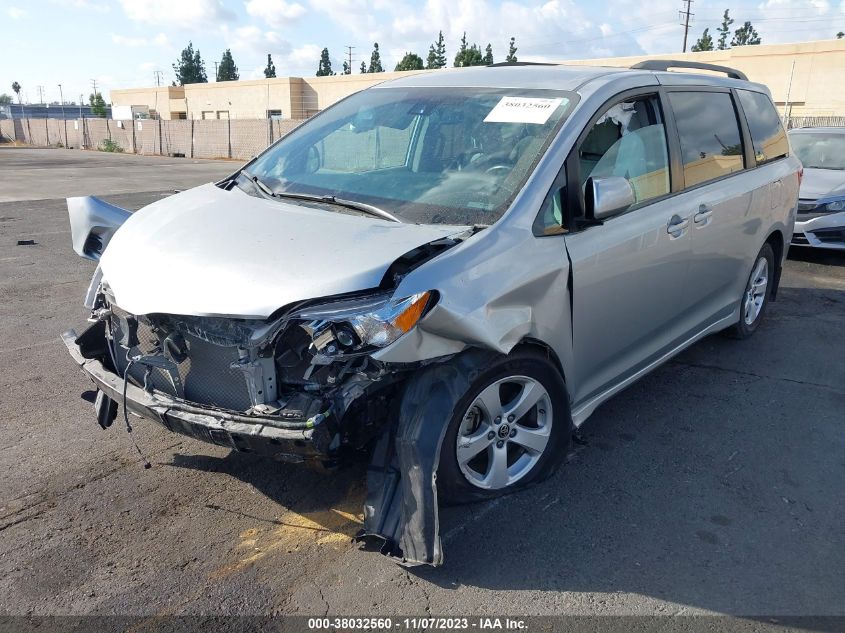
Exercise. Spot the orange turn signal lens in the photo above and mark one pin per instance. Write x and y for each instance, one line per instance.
(410, 315)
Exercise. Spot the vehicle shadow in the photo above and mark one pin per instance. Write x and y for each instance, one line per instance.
(826, 257)
(310, 498)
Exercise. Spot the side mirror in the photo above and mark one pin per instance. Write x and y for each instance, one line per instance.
(604, 197)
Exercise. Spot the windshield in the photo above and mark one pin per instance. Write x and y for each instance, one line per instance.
(427, 155)
(819, 151)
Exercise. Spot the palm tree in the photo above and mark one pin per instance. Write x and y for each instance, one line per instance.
(17, 88)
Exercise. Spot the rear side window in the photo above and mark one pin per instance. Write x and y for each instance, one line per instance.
(767, 133)
(711, 144)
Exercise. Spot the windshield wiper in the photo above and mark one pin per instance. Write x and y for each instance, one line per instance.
(258, 183)
(340, 202)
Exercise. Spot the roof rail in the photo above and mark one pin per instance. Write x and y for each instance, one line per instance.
(521, 64)
(666, 64)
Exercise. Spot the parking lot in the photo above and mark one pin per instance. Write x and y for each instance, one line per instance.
(713, 485)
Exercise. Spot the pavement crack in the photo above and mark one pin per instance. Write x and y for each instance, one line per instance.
(751, 374)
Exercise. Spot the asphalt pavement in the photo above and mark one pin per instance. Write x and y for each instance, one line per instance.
(713, 485)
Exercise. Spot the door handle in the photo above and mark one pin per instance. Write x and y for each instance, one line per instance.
(703, 215)
(677, 225)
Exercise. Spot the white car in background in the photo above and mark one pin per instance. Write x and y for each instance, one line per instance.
(821, 202)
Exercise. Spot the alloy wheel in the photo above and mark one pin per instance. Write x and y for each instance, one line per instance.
(504, 432)
(755, 293)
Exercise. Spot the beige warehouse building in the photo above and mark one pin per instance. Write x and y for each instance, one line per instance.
(806, 78)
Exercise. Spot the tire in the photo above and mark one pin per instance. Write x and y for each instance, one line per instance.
(755, 298)
(546, 426)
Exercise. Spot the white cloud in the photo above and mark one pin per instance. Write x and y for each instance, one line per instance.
(190, 14)
(136, 42)
(277, 13)
(15, 13)
(84, 5)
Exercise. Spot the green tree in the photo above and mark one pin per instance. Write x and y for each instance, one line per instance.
(324, 69)
(411, 61)
(5, 99)
(488, 55)
(375, 61)
(270, 71)
(840, 35)
(98, 104)
(704, 43)
(346, 69)
(468, 55)
(437, 54)
(16, 88)
(511, 57)
(745, 36)
(226, 70)
(363, 67)
(725, 30)
(189, 68)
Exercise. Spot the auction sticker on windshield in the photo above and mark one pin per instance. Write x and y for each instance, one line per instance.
(522, 110)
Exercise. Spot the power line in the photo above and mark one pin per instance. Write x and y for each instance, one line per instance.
(686, 15)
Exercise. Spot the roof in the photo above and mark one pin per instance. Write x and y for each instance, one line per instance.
(549, 77)
(543, 77)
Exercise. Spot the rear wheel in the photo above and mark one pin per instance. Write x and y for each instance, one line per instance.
(755, 298)
(511, 428)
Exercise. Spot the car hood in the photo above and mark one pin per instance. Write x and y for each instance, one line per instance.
(210, 252)
(822, 183)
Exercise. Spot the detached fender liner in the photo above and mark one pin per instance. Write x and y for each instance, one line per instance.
(400, 512)
(252, 434)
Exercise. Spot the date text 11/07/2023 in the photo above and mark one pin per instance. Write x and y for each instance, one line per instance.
(417, 624)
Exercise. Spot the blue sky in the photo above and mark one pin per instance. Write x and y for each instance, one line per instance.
(121, 42)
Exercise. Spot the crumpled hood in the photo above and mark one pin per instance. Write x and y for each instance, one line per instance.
(822, 183)
(209, 252)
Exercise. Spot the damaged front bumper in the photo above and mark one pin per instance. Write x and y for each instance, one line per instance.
(247, 433)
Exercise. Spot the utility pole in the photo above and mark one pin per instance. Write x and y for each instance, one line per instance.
(94, 85)
(685, 15)
(215, 70)
(40, 94)
(158, 74)
(80, 106)
(349, 57)
(64, 120)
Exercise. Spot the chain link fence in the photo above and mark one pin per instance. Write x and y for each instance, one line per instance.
(815, 121)
(239, 139)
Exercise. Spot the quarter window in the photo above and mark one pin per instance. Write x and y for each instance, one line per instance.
(711, 144)
(629, 141)
(767, 133)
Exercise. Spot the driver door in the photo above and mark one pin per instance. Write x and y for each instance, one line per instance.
(629, 272)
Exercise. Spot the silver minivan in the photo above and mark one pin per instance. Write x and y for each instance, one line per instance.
(450, 270)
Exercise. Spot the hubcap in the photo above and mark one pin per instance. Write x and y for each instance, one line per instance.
(504, 432)
(755, 293)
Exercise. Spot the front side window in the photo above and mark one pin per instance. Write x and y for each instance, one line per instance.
(629, 141)
(711, 143)
(429, 155)
(767, 133)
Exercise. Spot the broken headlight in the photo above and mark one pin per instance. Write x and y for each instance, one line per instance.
(361, 323)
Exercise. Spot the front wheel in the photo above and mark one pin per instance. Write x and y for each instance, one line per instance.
(512, 427)
(755, 298)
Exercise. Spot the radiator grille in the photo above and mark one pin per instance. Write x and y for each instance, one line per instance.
(206, 374)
